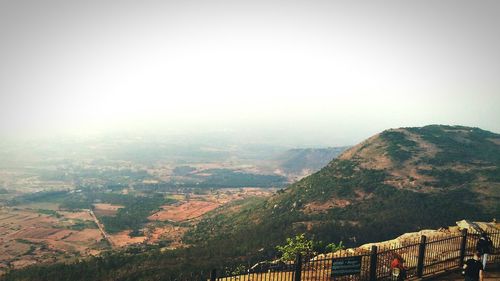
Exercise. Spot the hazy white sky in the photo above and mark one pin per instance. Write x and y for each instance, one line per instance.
(337, 71)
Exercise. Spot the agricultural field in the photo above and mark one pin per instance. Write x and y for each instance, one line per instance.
(105, 209)
(184, 211)
(29, 236)
(194, 206)
(65, 226)
(67, 200)
(62, 209)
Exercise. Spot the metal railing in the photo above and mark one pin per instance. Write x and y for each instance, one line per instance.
(425, 257)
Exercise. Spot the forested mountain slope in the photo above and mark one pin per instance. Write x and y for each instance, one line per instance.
(397, 181)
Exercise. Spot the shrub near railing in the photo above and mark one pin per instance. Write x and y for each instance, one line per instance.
(423, 258)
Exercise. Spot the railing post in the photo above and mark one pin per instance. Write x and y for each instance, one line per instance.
(298, 267)
(421, 256)
(213, 275)
(463, 247)
(373, 263)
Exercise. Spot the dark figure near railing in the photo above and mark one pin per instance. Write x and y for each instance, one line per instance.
(484, 246)
(473, 269)
(418, 260)
(398, 270)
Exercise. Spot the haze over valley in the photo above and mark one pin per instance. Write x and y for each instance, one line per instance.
(75, 198)
(144, 140)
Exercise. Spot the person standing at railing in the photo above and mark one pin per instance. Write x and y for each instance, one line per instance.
(398, 270)
(473, 269)
(483, 246)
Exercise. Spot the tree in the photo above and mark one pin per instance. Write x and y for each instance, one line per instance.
(298, 244)
(332, 247)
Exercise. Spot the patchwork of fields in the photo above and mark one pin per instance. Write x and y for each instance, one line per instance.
(29, 236)
(44, 231)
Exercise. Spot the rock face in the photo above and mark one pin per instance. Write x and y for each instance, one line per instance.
(414, 237)
(411, 237)
(478, 227)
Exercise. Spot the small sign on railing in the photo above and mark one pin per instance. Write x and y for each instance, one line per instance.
(346, 266)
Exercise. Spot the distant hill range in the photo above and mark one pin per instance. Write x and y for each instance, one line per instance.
(300, 162)
(401, 180)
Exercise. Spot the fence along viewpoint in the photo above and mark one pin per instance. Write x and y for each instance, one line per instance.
(426, 254)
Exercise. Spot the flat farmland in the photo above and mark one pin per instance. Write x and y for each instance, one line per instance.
(43, 232)
(184, 211)
(199, 204)
(105, 209)
(123, 238)
(29, 236)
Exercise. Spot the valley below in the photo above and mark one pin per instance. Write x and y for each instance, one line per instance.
(65, 206)
(144, 216)
(45, 232)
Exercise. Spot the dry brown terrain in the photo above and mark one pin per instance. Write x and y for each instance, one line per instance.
(122, 238)
(199, 205)
(86, 236)
(184, 211)
(28, 237)
(105, 209)
(168, 232)
(372, 155)
(83, 215)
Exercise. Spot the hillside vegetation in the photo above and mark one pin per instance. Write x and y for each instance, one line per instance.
(397, 181)
(304, 161)
(400, 180)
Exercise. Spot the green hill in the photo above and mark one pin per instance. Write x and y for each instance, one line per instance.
(397, 181)
(400, 180)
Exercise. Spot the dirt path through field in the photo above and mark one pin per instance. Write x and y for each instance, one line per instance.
(101, 228)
